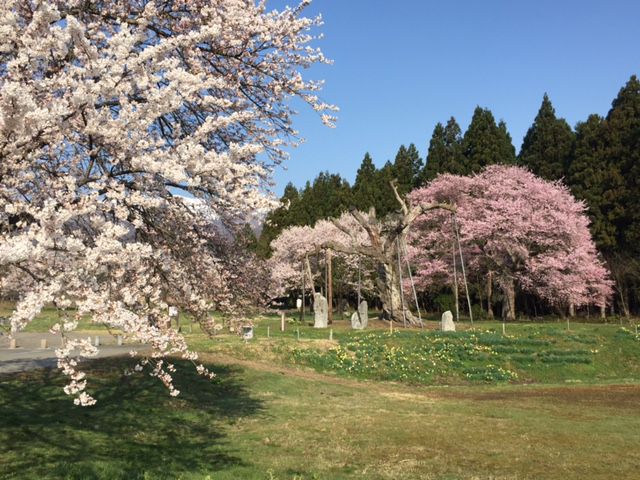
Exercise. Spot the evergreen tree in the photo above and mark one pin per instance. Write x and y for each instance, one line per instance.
(364, 187)
(284, 216)
(485, 143)
(330, 196)
(592, 179)
(605, 172)
(406, 168)
(507, 152)
(547, 147)
(436, 155)
(385, 199)
(623, 154)
(445, 151)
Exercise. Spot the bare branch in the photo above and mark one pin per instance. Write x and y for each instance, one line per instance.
(401, 201)
(373, 236)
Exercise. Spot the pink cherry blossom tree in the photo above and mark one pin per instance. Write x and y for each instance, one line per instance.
(112, 113)
(516, 228)
(359, 235)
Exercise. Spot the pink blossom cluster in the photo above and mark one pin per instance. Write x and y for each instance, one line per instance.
(295, 243)
(516, 225)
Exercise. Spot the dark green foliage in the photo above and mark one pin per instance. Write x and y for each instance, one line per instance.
(547, 146)
(328, 196)
(622, 135)
(364, 187)
(445, 152)
(385, 200)
(605, 172)
(593, 179)
(407, 167)
(485, 143)
(279, 219)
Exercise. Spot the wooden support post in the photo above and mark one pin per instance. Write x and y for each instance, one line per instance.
(464, 273)
(282, 322)
(329, 286)
(303, 285)
(404, 310)
(43, 343)
(455, 283)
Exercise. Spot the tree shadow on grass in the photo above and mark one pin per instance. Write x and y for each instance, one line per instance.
(136, 430)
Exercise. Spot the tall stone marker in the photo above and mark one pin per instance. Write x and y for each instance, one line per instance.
(447, 322)
(321, 311)
(360, 318)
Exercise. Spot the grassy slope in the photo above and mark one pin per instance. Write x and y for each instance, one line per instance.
(258, 422)
(540, 353)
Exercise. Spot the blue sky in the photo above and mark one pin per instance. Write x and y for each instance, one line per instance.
(401, 66)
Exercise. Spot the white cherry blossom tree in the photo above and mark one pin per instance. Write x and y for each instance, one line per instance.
(111, 113)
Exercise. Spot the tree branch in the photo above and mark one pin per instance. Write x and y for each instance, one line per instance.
(401, 201)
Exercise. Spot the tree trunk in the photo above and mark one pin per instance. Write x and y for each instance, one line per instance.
(489, 292)
(454, 286)
(329, 287)
(388, 284)
(509, 300)
(572, 310)
(603, 311)
(624, 305)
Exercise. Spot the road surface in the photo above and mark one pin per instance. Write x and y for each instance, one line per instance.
(28, 355)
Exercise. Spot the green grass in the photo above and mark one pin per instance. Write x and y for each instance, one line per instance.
(529, 353)
(47, 318)
(271, 423)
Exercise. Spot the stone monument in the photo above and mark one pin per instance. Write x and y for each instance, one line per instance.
(447, 322)
(360, 318)
(321, 311)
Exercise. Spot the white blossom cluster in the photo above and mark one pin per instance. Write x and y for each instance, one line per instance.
(110, 113)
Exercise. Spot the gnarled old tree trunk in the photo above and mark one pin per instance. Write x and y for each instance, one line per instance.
(388, 285)
(508, 299)
(384, 238)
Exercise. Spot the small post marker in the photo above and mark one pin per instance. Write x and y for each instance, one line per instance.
(96, 341)
(43, 343)
(119, 340)
(268, 332)
(504, 330)
(298, 333)
(13, 344)
(282, 322)
(331, 334)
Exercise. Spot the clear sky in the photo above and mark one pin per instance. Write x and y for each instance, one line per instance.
(401, 66)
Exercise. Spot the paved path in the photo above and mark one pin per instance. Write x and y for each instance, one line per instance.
(29, 355)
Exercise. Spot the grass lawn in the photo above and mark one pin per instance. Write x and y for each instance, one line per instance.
(47, 318)
(542, 402)
(263, 422)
